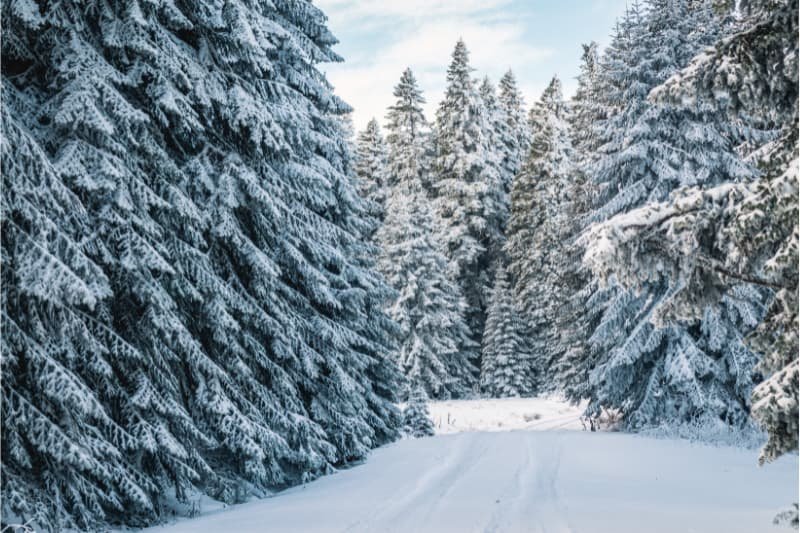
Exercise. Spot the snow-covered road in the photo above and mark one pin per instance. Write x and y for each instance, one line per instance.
(515, 481)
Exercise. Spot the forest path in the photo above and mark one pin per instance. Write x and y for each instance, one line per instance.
(550, 481)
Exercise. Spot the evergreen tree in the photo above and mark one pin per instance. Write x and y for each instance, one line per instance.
(504, 359)
(499, 140)
(408, 158)
(187, 304)
(370, 168)
(518, 139)
(575, 319)
(538, 229)
(600, 308)
(587, 106)
(680, 372)
(435, 351)
(709, 239)
(416, 418)
(465, 188)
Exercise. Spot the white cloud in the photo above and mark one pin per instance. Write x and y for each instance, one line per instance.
(349, 10)
(495, 41)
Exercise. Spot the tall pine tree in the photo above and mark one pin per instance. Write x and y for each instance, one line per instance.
(540, 220)
(504, 358)
(712, 238)
(681, 372)
(465, 187)
(500, 141)
(517, 142)
(573, 356)
(435, 350)
(406, 137)
(187, 304)
(370, 168)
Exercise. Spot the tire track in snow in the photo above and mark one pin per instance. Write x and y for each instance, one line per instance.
(388, 519)
(533, 503)
(546, 503)
(473, 459)
(511, 500)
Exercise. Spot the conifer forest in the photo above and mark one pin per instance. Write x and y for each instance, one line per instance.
(218, 288)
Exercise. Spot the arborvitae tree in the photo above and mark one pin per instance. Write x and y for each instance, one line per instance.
(540, 215)
(680, 372)
(186, 304)
(710, 238)
(370, 168)
(504, 359)
(416, 418)
(517, 144)
(435, 351)
(466, 198)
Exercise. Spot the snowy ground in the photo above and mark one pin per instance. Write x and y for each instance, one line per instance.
(557, 480)
(504, 414)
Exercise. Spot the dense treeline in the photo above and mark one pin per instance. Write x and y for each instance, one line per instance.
(576, 236)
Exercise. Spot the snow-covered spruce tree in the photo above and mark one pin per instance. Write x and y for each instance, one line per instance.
(375, 332)
(587, 107)
(692, 372)
(575, 319)
(712, 238)
(466, 188)
(504, 359)
(434, 351)
(600, 307)
(500, 142)
(518, 142)
(184, 306)
(416, 417)
(408, 155)
(370, 168)
(538, 229)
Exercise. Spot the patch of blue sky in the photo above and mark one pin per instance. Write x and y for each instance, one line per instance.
(537, 39)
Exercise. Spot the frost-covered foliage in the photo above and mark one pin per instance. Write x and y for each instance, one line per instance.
(505, 364)
(467, 187)
(708, 239)
(187, 301)
(501, 141)
(578, 316)
(686, 370)
(789, 517)
(587, 107)
(518, 141)
(539, 229)
(408, 159)
(370, 168)
(416, 418)
(434, 350)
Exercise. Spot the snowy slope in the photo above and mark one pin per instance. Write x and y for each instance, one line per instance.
(522, 480)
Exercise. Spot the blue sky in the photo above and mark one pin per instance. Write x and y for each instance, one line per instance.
(535, 38)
